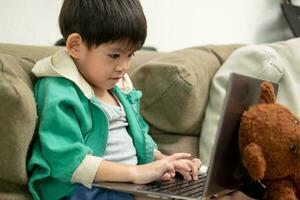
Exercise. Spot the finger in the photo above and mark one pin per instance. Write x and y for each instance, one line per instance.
(167, 176)
(186, 175)
(173, 174)
(196, 164)
(195, 170)
(197, 161)
(177, 156)
(170, 167)
(181, 165)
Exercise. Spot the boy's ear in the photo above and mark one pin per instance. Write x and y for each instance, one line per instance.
(74, 45)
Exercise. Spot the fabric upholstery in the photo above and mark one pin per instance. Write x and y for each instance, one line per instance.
(277, 62)
(141, 57)
(28, 51)
(169, 143)
(17, 124)
(175, 87)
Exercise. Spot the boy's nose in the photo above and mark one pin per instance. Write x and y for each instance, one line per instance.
(122, 67)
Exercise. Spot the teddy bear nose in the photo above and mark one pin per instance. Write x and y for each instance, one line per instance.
(293, 148)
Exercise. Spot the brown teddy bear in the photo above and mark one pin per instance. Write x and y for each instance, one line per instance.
(269, 141)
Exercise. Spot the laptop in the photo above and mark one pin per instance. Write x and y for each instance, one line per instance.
(225, 172)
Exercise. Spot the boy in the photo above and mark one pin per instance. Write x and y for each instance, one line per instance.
(90, 128)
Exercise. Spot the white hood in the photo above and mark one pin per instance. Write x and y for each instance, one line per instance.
(62, 65)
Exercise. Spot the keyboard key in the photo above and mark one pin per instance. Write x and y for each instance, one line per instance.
(193, 188)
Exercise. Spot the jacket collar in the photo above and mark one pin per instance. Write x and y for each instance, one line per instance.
(62, 65)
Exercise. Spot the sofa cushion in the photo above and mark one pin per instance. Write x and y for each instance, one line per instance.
(140, 58)
(170, 143)
(175, 87)
(17, 124)
(28, 51)
(276, 62)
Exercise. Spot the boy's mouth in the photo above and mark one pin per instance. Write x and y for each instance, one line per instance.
(116, 78)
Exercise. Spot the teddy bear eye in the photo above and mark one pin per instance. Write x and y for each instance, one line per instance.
(296, 121)
(293, 148)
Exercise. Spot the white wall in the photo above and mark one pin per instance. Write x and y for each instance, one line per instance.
(172, 24)
(29, 21)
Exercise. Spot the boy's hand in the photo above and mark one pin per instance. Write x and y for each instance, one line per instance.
(152, 171)
(186, 167)
(193, 165)
(189, 169)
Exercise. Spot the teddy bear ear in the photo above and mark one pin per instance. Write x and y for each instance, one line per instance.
(267, 93)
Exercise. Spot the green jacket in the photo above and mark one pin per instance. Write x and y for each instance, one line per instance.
(71, 126)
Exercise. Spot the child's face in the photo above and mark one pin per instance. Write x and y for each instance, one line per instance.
(105, 65)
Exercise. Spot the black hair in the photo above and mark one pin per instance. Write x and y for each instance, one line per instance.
(102, 21)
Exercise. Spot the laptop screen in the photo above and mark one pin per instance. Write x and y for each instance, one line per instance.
(226, 171)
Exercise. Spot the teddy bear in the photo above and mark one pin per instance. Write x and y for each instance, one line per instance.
(269, 143)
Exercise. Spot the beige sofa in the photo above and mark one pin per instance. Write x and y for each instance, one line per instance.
(175, 88)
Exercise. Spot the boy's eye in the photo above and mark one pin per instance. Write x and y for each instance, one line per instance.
(130, 55)
(114, 56)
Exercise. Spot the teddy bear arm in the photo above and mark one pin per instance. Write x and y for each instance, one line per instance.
(254, 161)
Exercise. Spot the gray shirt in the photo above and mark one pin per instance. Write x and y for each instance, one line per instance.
(120, 146)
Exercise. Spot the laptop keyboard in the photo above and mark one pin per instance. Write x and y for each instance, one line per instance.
(193, 188)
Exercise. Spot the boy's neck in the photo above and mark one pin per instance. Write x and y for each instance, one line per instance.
(106, 96)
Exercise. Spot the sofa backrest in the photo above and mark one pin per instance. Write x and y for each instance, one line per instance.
(28, 51)
(175, 87)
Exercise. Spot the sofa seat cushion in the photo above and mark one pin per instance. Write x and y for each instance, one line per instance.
(17, 124)
(175, 87)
